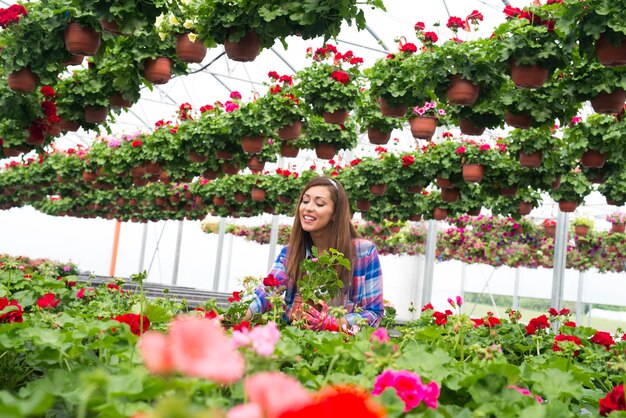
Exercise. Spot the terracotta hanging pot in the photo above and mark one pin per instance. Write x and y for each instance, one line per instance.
(415, 189)
(363, 205)
(339, 116)
(284, 200)
(240, 197)
(524, 208)
(197, 158)
(68, 125)
(618, 228)
(378, 137)
(291, 131)
(518, 120)
(415, 217)
(532, 160)
(469, 128)
(140, 181)
(160, 201)
(462, 92)
(89, 176)
(24, 80)
(111, 27)
(507, 191)
(244, 50)
(255, 164)
(566, 206)
(138, 171)
(378, 189)
(556, 183)
(443, 183)
(440, 214)
(187, 51)
(152, 168)
(394, 112)
(288, 150)
(210, 174)
(593, 159)
(81, 40)
(596, 175)
(423, 128)
(95, 114)
(223, 154)
(473, 172)
(158, 71)
(219, 201)
(74, 60)
(529, 76)
(325, 151)
(610, 55)
(229, 168)
(612, 102)
(258, 195)
(252, 144)
(473, 212)
(450, 195)
(118, 100)
(581, 230)
(549, 230)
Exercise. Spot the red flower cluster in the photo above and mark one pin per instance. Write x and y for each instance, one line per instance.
(242, 325)
(441, 318)
(563, 337)
(554, 312)
(340, 76)
(419, 26)
(206, 108)
(407, 160)
(207, 314)
(48, 92)
(114, 287)
(86, 292)
(537, 323)
(12, 14)
(613, 401)
(136, 143)
(430, 38)
(134, 322)
(517, 13)
(428, 306)
(339, 402)
(602, 338)
(475, 17)
(162, 122)
(236, 297)
(287, 173)
(184, 112)
(455, 23)
(14, 315)
(48, 301)
(549, 222)
(235, 95)
(271, 281)
(354, 162)
(408, 48)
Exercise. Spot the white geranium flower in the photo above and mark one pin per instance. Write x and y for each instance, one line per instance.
(188, 24)
(192, 37)
(173, 21)
(162, 35)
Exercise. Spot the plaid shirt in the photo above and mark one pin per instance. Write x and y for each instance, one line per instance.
(366, 291)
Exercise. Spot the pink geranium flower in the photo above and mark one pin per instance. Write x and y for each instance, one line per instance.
(275, 393)
(380, 335)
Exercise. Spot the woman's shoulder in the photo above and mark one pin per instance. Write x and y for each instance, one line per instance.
(363, 246)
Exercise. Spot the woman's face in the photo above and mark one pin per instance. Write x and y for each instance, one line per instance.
(316, 209)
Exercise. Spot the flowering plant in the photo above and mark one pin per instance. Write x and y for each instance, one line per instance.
(342, 136)
(599, 133)
(129, 15)
(332, 82)
(590, 78)
(442, 160)
(321, 275)
(368, 115)
(531, 140)
(581, 221)
(574, 188)
(616, 217)
(281, 103)
(473, 152)
(180, 18)
(429, 110)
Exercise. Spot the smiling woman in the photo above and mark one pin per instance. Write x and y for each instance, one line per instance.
(321, 224)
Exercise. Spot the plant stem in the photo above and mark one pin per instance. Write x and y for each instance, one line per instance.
(330, 366)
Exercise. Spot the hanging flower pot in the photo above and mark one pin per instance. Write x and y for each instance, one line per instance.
(24, 80)
(140, 181)
(394, 112)
(258, 195)
(524, 208)
(473, 172)
(284, 200)
(160, 201)
(596, 176)
(89, 176)
(450, 195)
(95, 114)
(521, 120)
(618, 228)
(339, 116)
(291, 131)
(74, 60)
(581, 230)
(378, 137)
(255, 164)
(440, 214)
(593, 159)
(423, 128)
(550, 230)
(532, 160)
(223, 154)
(210, 174)
(240, 197)
(197, 158)
(219, 201)
(187, 51)
(289, 150)
(68, 125)
(462, 92)
(111, 27)
(610, 55)
(138, 171)
(244, 50)
(378, 189)
(363, 205)
(229, 168)
(612, 102)
(468, 127)
(507, 191)
(443, 183)
(252, 144)
(473, 212)
(325, 151)
(529, 76)
(118, 100)
(556, 183)
(158, 71)
(152, 168)
(416, 217)
(81, 40)
(415, 189)
(567, 206)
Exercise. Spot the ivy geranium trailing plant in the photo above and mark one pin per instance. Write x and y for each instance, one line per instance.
(321, 275)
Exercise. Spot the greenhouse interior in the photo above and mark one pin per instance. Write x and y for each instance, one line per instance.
(387, 208)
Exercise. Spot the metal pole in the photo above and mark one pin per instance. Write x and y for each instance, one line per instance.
(516, 290)
(558, 271)
(579, 298)
(142, 253)
(218, 257)
(415, 287)
(116, 242)
(462, 292)
(179, 239)
(589, 316)
(223, 286)
(429, 264)
(273, 242)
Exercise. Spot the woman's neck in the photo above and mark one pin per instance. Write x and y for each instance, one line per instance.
(320, 242)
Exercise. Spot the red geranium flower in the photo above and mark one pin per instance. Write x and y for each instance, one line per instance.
(339, 401)
(236, 297)
(407, 160)
(455, 23)
(271, 281)
(603, 338)
(273, 74)
(408, 47)
(207, 314)
(47, 91)
(537, 323)
(563, 337)
(48, 301)
(613, 401)
(430, 37)
(134, 321)
(242, 325)
(14, 315)
(419, 26)
(341, 76)
(136, 143)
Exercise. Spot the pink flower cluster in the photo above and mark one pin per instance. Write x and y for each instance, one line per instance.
(262, 339)
(409, 388)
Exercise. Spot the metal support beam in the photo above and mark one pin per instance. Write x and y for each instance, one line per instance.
(223, 284)
(273, 242)
(462, 291)
(579, 298)
(142, 252)
(558, 271)
(429, 264)
(516, 290)
(179, 239)
(416, 286)
(218, 257)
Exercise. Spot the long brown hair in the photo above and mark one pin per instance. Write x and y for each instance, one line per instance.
(341, 232)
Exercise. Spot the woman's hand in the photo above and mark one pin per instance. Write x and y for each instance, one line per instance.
(318, 320)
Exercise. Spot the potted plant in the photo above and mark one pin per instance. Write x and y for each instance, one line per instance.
(328, 138)
(371, 120)
(331, 84)
(424, 119)
(617, 220)
(572, 191)
(408, 171)
(285, 110)
(604, 86)
(531, 144)
(83, 98)
(549, 227)
(442, 163)
(476, 158)
(123, 17)
(591, 142)
(156, 59)
(612, 189)
(529, 43)
(582, 226)
(180, 23)
(249, 124)
(371, 171)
